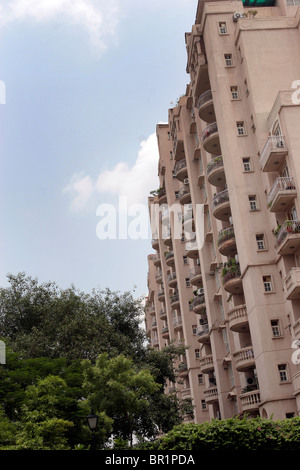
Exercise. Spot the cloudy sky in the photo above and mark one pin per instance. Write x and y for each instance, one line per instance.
(83, 85)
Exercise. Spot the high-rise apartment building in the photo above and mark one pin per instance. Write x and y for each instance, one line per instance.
(227, 284)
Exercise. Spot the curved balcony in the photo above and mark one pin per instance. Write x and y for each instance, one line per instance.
(155, 243)
(215, 171)
(244, 359)
(206, 364)
(174, 300)
(238, 319)
(282, 195)
(226, 242)
(154, 324)
(183, 369)
(177, 323)
(169, 258)
(288, 237)
(168, 240)
(184, 194)
(198, 304)
(165, 332)
(158, 277)
(157, 260)
(291, 284)
(273, 154)
(162, 196)
(205, 107)
(172, 280)
(161, 295)
(210, 139)
(250, 401)
(163, 314)
(180, 169)
(196, 276)
(203, 334)
(211, 395)
(192, 249)
(221, 206)
(233, 283)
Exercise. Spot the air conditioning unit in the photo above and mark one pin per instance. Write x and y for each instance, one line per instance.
(202, 321)
(236, 16)
(186, 181)
(200, 291)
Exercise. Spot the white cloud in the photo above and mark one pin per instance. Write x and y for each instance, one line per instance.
(99, 20)
(135, 183)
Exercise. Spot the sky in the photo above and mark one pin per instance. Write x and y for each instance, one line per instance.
(83, 84)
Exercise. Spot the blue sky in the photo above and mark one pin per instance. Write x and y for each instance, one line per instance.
(86, 83)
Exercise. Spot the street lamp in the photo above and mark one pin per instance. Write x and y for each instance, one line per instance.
(92, 420)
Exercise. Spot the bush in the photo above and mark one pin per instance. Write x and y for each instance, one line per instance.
(232, 434)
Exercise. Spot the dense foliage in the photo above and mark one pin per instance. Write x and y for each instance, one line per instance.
(232, 434)
(68, 352)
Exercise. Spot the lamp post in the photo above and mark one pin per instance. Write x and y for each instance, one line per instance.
(92, 420)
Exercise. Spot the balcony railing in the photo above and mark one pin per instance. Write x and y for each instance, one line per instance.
(208, 131)
(272, 153)
(194, 272)
(179, 165)
(172, 277)
(289, 227)
(238, 318)
(174, 298)
(250, 400)
(282, 183)
(177, 321)
(169, 254)
(214, 163)
(244, 358)
(225, 235)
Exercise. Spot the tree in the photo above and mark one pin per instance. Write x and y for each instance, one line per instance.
(42, 320)
(116, 387)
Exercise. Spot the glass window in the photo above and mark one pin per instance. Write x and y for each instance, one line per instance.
(241, 128)
(275, 328)
(222, 27)
(247, 164)
(267, 280)
(228, 60)
(260, 241)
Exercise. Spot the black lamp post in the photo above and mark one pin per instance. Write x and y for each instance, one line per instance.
(92, 420)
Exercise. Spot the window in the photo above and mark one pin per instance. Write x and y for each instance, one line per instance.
(203, 405)
(200, 379)
(228, 60)
(234, 92)
(194, 329)
(275, 328)
(283, 375)
(240, 125)
(253, 203)
(185, 260)
(171, 155)
(247, 164)
(260, 241)
(197, 353)
(187, 282)
(222, 27)
(176, 194)
(267, 280)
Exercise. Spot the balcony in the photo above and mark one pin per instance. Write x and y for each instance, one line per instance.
(154, 324)
(167, 238)
(196, 276)
(184, 194)
(210, 139)
(221, 206)
(172, 280)
(215, 171)
(203, 334)
(158, 277)
(165, 332)
(180, 169)
(205, 107)
(206, 364)
(198, 304)
(226, 242)
(250, 401)
(282, 195)
(162, 314)
(291, 284)
(169, 255)
(296, 328)
(192, 249)
(174, 300)
(238, 319)
(244, 359)
(156, 260)
(231, 279)
(183, 369)
(288, 237)
(161, 295)
(211, 395)
(155, 243)
(162, 196)
(177, 323)
(178, 146)
(273, 154)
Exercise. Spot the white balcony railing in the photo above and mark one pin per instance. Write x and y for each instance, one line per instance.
(274, 143)
(282, 183)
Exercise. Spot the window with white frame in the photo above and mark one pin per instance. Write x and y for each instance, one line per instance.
(275, 325)
(247, 164)
(203, 405)
(283, 373)
(222, 27)
(187, 282)
(260, 241)
(253, 202)
(200, 379)
(228, 60)
(194, 329)
(267, 281)
(197, 353)
(234, 92)
(240, 125)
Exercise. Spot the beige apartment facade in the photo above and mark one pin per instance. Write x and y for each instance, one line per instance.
(230, 160)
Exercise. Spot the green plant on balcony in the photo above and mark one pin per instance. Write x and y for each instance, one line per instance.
(276, 230)
(156, 192)
(230, 269)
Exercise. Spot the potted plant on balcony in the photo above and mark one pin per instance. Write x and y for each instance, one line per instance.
(276, 230)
